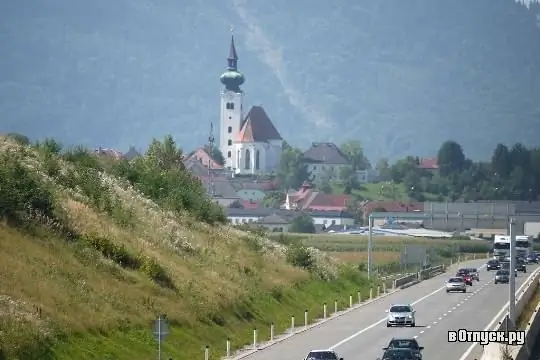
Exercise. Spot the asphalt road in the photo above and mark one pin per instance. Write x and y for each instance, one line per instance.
(363, 333)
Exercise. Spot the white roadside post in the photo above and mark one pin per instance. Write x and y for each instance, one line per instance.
(305, 319)
(272, 332)
(335, 306)
(324, 311)
(350, 301)
(206, 352)
(228, 348)
(292, 324)
(255, 338)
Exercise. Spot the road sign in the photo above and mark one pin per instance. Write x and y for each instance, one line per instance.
(160, 329)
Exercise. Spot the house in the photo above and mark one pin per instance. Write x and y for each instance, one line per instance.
(221, 190)
(367, 176)
(275, 220)
(111, 153)
(132, 153)
(325, 159)
(309, 199)
(253, 190)
(250, 143)
(203, 157)
(429, 164)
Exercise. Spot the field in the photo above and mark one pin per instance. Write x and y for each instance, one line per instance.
(383, 191)
(386, 249)
(91, 290)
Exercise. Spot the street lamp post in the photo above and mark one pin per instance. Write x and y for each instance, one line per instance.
(512, 283)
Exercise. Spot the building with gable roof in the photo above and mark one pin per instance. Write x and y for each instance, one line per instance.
(250, 144)
(325, 158)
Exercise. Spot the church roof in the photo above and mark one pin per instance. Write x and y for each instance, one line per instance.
(257, 127)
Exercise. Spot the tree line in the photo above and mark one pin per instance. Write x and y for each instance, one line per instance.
(512, 173)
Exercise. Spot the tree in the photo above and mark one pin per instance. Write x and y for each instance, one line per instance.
(216, 154)
(324, 182)
(501, 163)
(274, 199)
(302, 224)
(383, 168)
(349, 179)
(292, 170)
(354, 152)
(450, 158)
(166, 155)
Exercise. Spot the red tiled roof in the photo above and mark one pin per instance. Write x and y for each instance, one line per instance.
(202, 155)
(257, 127)
(428, 164)
(329, 200)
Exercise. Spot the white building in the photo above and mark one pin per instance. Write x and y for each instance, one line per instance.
(250, 144)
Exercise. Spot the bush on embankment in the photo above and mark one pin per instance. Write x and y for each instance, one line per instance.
(89, 260)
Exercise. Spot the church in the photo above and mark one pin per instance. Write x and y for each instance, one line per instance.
(250, 143)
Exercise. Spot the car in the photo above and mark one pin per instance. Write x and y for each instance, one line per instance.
(398, 354)
(502, 277)
(506, 266)
(532, 259)
(474, 274)
(456, 283)
(464, 273)
(323, 355)
(401, 315)
(409, 343)
(520, 266)
(493, 264)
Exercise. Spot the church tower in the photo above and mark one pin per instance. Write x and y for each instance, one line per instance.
(231, 107)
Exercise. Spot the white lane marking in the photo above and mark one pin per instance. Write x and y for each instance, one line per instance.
(440, 318)
(415, 336)
(499, 314)
(428, 327)
(360, 332)
(421, 332)
(434, 323)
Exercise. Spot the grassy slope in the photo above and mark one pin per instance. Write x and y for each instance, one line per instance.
(389, 192)
(84, 306)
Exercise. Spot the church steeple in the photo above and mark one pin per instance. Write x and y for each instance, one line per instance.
(232, 60)
(232, 78)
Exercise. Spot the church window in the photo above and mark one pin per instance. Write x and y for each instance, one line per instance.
(229, 130)
(229, 142)
(230, 106)
(229, 154)
(247, 165)
(257, 159)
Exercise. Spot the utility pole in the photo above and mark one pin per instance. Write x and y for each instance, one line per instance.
(370, 246)
(211, 141)
(512, 283)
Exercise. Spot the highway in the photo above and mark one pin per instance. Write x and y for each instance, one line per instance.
(363, 333)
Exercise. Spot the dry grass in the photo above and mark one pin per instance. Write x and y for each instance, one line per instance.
(53, 286)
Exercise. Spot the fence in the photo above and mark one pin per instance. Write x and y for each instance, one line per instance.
(328, 311)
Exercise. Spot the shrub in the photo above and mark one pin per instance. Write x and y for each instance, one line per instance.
(21, 190)
(117, 253)
(303, 224)
(151, 268)
(300, 256)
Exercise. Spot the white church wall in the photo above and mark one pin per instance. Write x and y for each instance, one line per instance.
(231, 118)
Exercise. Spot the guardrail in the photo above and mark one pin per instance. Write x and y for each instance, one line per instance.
(520, 352)
(315, 317)
(418, 276)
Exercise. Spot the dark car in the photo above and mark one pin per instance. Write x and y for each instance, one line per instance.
(493, 265)
(532, 259)
(520, 266)
(410, 344)
(399, 354)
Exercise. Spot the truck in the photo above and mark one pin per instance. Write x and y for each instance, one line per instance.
(501, 247)
(524, 245)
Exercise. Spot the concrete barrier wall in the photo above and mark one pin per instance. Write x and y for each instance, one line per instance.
(531, 333)
(493, 351)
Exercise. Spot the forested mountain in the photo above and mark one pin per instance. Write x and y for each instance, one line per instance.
(401, 76)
